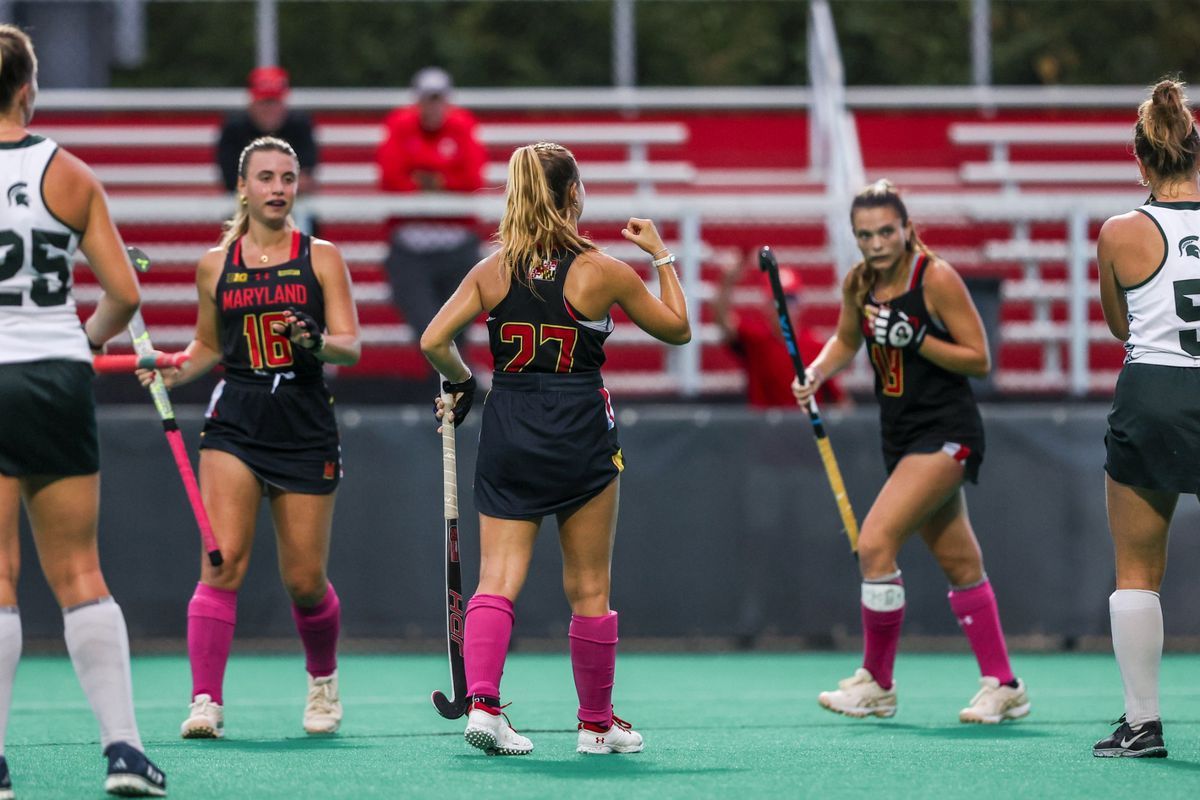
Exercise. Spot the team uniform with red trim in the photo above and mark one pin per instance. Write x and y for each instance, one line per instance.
(923, 408)
(273, 410)
(549, 436)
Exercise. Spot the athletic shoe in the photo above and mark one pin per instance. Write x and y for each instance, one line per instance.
(206, 719)
(323, 711)
(860, 696)
(131, 774)
(1132, 741)
(996, 702)
(618, 737)
(6, 792)
(488, 729)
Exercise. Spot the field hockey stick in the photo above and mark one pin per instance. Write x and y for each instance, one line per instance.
(107, 364)
(768, 264)
(158, 392)
(452, 707)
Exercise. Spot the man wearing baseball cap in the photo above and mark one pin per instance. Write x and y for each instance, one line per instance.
(430, 146)
(267, 115)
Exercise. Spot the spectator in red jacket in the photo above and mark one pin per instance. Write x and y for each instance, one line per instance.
(430, 146)
(753, 334)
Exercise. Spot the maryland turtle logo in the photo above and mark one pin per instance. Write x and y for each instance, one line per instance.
(1190, 246)
(18, 194)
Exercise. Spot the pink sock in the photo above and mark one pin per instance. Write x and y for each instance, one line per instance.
(319, 626)
(489, 627)
(212, 614)
(594, 662)
(980, 620)
(882, 616)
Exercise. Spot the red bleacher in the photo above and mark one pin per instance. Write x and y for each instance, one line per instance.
(733, 151)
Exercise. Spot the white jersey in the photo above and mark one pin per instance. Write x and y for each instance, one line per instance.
(37, 311)
(1164, 309)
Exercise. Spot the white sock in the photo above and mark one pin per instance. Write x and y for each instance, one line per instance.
(1137, 634)
(10, 654)
(99, 648)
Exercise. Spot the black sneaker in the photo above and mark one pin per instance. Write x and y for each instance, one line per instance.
(131, 774)
(6, 792)
(1130, 741)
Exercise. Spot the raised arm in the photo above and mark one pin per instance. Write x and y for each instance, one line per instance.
(664, 317)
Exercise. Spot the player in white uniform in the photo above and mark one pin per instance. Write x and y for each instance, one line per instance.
(1149, 282)
(53, 204)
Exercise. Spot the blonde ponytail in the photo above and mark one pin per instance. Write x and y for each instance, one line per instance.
(539, 217)
(1165, 137)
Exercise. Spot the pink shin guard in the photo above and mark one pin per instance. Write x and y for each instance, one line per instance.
(319, 627)
(594, 662)
(882, 618)
(212, 614)
(881, 639)
(980, 620)
(489, 624)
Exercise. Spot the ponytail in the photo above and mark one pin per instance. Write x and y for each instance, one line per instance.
(18, 64)
(1165, 138)
(538, 218)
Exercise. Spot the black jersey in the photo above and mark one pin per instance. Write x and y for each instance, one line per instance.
(917, 397)
(250, 298)
(535, 329)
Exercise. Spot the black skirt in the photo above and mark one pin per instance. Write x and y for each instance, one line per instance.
(286, 434)
(48, 419)
(1153, 438)
(966, 447)
(548, 444)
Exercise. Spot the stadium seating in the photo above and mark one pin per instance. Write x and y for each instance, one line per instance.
(709, 163)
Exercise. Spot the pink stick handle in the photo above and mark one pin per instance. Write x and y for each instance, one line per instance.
(131, 362)
(175, 439)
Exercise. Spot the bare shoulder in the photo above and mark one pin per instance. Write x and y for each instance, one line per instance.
(603, 266)
(940, 275)
(67, 166)
(1125, 227)
(69, 187)
(211, 263)
(325, 252)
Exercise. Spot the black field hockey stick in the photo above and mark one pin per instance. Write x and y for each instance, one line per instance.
(158, 392)
(768, 264)
(452, 707)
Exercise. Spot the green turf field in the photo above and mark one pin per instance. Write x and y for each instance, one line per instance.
(728, 726)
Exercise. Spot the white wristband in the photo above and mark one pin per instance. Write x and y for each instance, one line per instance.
(669, 258)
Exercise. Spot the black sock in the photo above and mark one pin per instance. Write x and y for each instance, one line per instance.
(490, 702)
(1011, 684)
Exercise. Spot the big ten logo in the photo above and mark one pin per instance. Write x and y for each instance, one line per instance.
(457, 620)
(237, 277)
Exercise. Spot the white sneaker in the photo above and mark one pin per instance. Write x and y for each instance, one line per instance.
(206, 719)
(618, 737)
(489, 729)
(860, 696)
(994, 703)
(323, 711)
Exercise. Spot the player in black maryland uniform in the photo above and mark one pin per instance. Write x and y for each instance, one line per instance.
(274, 306)
(548, 443)
(924, 338)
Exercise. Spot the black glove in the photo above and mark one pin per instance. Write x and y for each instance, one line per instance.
(306, 323)
(463, 404)
(894, 328)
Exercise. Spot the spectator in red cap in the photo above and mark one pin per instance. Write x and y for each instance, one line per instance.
(430, 146)
(753, 334)
(267, 115)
